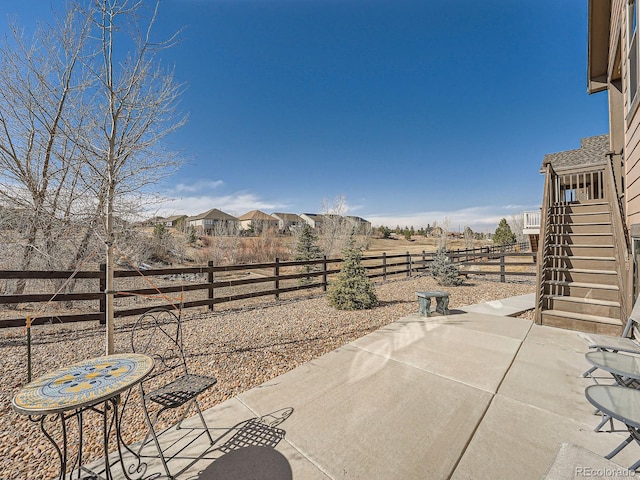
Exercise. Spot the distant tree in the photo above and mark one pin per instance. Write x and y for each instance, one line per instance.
(192, 237)
(517, 227)
(468, 237)
(444, 233)
(385, 232)
(503, 234)
(407, 234)
(335, 228)
(307, 249)
(160, 237)
(352, 290)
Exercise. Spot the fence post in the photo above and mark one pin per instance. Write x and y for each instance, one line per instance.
(424, 260)
(210, 279)
(276, 273)
(324, 273)
(502, 267)
(409, 263)
(384, 266)
(103, 296)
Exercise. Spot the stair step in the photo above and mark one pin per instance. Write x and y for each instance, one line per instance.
(576, 228)
(572, 234)
(569, 224)
(599, 286)
(580, 214)
(585, 317)
(597, 291)
(581, 250)
(578, 245)
(587, 270)
(589, 301)
(580, 257)
(582, 238)
(580, 208)
(582, 322)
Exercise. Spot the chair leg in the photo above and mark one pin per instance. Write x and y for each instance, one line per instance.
(204, 424)
(588, 373)
(184, 414)
(605, 419)
(151, 431)
(619, 448)
(635, 466)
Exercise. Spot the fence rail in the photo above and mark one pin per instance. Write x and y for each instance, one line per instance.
(277, 277)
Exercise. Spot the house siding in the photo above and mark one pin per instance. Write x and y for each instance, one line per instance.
(632, 122)
(617, 9)
(632, 171)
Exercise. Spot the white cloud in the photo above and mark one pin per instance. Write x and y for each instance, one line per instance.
(200, 186)
(235, 204)
(480, 219)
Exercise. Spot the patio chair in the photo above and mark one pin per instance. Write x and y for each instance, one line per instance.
(616, 344)
(158, 333)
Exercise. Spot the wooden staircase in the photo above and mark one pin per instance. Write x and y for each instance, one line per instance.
(581, 286)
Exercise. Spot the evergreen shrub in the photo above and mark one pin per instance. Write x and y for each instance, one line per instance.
(446, 273)
(352, 290)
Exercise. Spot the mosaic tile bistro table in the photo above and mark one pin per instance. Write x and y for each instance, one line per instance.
(67, 393)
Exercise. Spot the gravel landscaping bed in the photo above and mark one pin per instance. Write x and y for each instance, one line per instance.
(242, 348)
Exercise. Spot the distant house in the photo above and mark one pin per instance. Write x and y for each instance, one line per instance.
(175, 221)
(215, 222)
(436, 232)
(288, 221)
(362, 226)
(257, 221)
(314, 220)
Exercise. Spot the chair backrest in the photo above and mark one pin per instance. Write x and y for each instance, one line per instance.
(158, 333)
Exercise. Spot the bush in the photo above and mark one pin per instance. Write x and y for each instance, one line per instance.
(307, 249)
(352, 290)
(445, 272)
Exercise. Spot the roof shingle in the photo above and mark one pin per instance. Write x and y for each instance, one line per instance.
(592, 151)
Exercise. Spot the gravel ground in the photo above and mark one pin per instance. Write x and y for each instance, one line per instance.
(242, 348)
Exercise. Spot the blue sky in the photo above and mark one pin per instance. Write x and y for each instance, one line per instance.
(413, 110)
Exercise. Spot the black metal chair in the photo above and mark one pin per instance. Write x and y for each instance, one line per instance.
(158, 333)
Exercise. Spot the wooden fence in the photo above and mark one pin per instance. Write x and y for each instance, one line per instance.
(220, 284)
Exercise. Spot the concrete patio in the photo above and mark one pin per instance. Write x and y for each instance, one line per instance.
(473, 395)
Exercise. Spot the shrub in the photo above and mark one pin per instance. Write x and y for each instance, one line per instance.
(352, 290)
(307, 249)
(445, 272)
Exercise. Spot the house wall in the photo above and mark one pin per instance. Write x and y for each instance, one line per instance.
(618, 33)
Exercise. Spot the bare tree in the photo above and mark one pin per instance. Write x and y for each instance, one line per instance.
(84, 107)
(41, 118)
(227, 241)
(336, 229)
(468, 237)
(134, 107)
(517, 227)
(444, 233)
